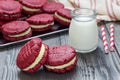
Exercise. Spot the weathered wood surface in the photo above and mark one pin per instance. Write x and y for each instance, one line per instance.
(92, 66)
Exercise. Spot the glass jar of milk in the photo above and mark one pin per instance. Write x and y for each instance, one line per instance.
(83, 31)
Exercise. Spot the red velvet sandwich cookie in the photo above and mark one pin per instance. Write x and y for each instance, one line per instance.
(51, 7)
(41, 22)
(32, 55)
(63, 16)
(32, 6)
(16, 30)
(61, 59)
(10, 10)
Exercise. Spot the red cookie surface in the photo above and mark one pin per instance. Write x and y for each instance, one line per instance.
(51, 7)
(16, 30)
(33, 3)
(60, 55)
(41, 22)
(28, 54)
(7, 0)
(10, 12)
(64, 13)
(15, 27)
(40, 19)
(10, 7)
(1, 23)
(8, 38)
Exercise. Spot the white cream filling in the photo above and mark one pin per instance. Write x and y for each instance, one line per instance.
(30, 9)
(37, 60)
(41, 26)
(62, 66)
(22, 34)
(62, 18)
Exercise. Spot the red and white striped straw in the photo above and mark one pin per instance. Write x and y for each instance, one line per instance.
(105, 43)
(111, 37)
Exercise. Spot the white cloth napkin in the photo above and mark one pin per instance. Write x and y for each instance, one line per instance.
(108, 10)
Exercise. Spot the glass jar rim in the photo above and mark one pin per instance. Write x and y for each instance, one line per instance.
(76, 12)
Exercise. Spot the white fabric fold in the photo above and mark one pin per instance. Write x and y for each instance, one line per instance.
(108, 10)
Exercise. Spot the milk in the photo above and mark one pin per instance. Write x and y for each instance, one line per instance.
(83, 34)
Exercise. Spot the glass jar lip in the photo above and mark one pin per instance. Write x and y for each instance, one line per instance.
(75, 12)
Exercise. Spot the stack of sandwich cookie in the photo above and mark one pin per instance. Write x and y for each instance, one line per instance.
(32, 6)
(41, 22)
(63, 16)
(10, 10)
(51, 7)
(61, 59)
(16, 30)
(32, 55)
